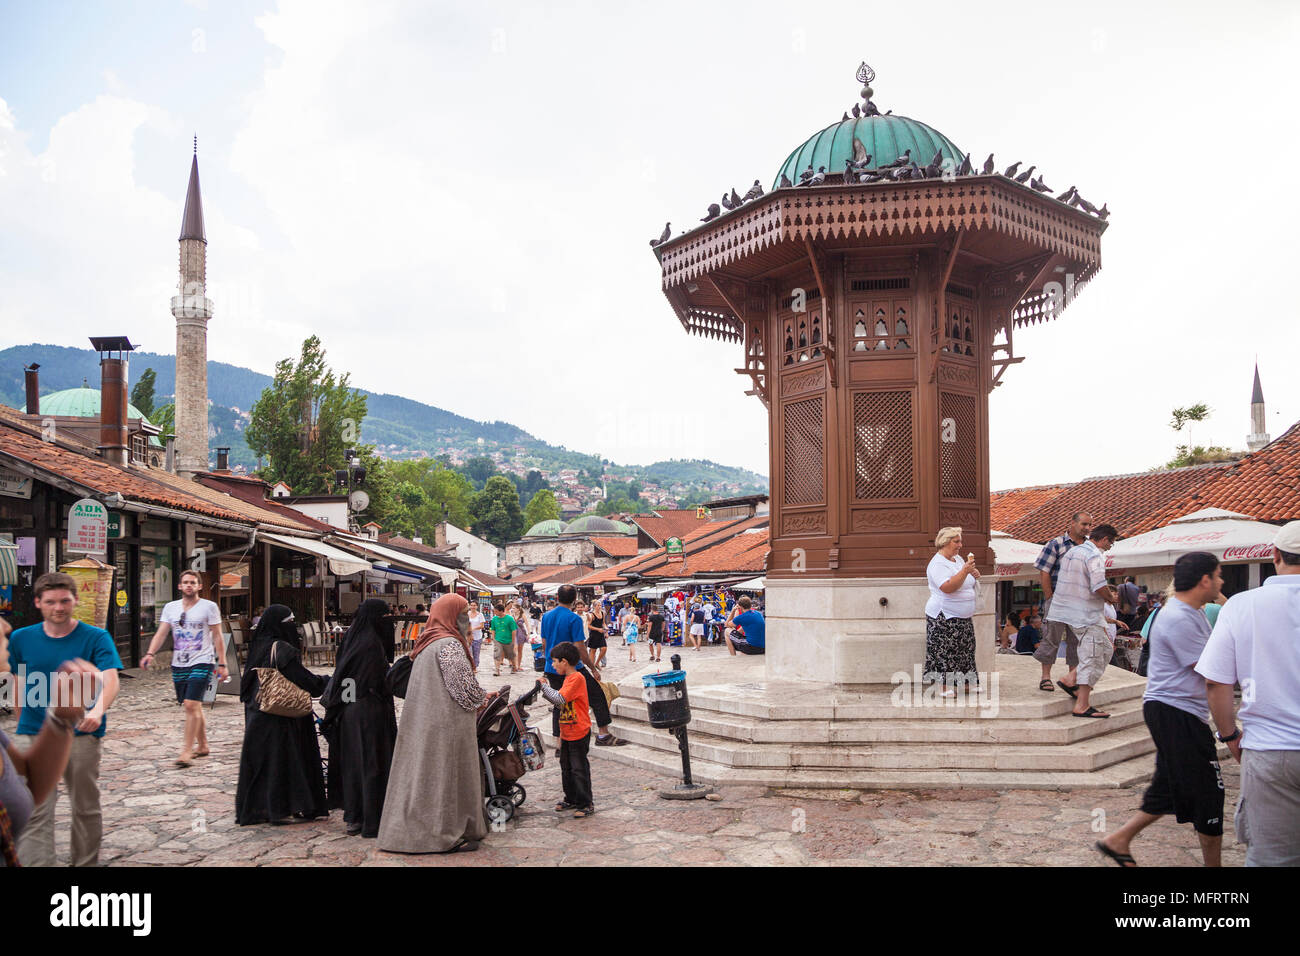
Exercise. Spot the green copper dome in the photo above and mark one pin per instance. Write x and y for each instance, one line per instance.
(596, 524)
(84, 403)
(885, 138)
(545, 529)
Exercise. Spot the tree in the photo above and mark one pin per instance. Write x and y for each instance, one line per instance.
(1192, 413)
(479, 470)
(541, 507)
(305, 421)
(142, 395)
(164, 416)
(495, 512)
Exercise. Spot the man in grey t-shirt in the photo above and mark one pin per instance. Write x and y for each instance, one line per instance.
(1187, 781)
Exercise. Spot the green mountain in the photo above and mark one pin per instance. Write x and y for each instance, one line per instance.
(399, 427)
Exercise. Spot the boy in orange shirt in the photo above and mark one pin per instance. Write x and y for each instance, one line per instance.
(575, 730)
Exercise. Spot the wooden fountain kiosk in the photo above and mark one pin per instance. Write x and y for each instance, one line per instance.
(875, 317)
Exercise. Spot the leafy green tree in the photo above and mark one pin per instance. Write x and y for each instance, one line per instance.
(479, 470)
(495, 512)
(1192, 413)
(142, 396)
(305, 421)
(541, 507)
(164, 416)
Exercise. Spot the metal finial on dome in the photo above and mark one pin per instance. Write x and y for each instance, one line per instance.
(196, 144)
(865, 76)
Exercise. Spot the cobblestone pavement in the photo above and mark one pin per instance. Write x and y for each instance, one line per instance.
(157, 814)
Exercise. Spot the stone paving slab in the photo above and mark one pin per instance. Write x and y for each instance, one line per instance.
(158, 815)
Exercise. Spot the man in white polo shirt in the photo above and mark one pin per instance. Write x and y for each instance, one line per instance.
(1256, 642)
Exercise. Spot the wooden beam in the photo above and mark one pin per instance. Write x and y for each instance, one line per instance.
(952, 261)
(816, 268)
(735, 310)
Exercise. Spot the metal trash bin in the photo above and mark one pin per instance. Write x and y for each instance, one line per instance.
(666, 699)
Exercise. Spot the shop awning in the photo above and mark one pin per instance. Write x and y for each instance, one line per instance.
(340, 562)
(1228, 535)
(385, 573)
(753, 584)
(397, 559)
(662, 588)
(1013, 558)
(472, 582)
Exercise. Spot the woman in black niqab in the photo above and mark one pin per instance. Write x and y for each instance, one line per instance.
(280, 775)
(360, 723)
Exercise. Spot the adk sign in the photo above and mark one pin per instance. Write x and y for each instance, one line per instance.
(88, 527)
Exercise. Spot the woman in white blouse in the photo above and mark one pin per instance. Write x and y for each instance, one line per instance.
(949, 631)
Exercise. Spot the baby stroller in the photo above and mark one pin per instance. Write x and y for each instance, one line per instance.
(508, 750)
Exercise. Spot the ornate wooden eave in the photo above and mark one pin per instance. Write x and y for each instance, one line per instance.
(977, 206)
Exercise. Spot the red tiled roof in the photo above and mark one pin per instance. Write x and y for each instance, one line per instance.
(254, 492)
(668, 523)
(1131, 503)
(551, 574)
(447, 551)
(616, 546)
(1264, 485)
(699, 552)
(60, 460)
(1008, 507)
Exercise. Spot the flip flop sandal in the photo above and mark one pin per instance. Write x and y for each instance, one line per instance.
(584, 813)
(1090, 712)
(562, 806)
(184, 760)
(1072, 691)
(1123, 859)
(1046, 684)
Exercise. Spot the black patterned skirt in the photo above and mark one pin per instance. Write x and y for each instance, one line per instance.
(949, 648)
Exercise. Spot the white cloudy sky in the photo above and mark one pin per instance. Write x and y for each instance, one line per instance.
(457, 199)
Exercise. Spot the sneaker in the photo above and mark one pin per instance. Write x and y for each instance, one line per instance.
(609, 740)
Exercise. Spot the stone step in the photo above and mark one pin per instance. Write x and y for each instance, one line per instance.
(839, 704)
(902, 727)
(668, 767)
(1087, 755)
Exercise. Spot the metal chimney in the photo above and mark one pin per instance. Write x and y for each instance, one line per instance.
(33, 389)
(112, 396)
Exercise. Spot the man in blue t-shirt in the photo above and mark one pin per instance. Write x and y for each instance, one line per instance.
(560, 624)
(752, 636)
(1030, 634)
(35, 653)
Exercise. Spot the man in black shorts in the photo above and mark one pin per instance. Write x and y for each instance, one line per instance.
(656, 637)
(1187, 781)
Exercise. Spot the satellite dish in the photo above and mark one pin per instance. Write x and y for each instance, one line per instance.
(358, 500)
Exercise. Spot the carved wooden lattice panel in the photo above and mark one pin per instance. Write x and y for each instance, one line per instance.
(882, 445)
(958, 448)
(804, 471)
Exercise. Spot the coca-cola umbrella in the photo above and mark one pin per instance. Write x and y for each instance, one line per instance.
(1228, 535)
(1013, 558)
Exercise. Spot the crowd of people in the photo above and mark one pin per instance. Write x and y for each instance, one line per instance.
(417, 786)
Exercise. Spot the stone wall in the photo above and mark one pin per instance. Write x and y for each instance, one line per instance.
(551, 551)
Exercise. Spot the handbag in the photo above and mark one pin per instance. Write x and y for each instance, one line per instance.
(398, 677)
(278, 695)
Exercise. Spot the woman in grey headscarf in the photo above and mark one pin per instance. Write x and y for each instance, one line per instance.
(434, 802)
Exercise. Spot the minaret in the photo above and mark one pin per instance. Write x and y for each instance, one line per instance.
(1257, 438)
(192, 309)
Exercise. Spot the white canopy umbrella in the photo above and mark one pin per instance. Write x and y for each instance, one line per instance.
(1012, 557)
(1228, 535)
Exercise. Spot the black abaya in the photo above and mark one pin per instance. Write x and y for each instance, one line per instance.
(279, 765)
(360, 723)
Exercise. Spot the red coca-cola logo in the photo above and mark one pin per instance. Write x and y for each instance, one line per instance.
(1253, 551)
